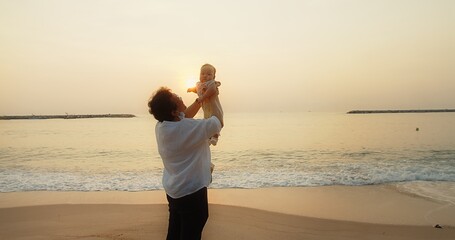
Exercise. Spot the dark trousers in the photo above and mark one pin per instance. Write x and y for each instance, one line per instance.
(187, 216)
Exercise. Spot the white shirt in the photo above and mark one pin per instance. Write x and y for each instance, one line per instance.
(184, 149)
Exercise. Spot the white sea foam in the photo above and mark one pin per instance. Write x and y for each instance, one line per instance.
(440, 191)
(242, 169)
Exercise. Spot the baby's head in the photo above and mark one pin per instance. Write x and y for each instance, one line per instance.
(207, 73)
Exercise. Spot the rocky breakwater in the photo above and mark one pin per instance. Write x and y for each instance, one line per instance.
(67, 116)
(400, 111)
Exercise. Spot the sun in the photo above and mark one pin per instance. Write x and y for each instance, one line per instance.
(190, 82)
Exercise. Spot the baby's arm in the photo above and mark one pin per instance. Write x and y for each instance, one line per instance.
(193, 89)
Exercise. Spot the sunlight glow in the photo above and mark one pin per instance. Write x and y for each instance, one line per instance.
(191, 82)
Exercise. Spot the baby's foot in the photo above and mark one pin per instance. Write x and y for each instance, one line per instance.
(213, 141)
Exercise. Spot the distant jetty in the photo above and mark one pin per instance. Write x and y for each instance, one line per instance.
(68, 116)
(400, 111)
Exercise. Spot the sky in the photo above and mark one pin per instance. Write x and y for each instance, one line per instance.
(106, 56)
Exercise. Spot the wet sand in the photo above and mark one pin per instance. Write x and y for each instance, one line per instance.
(366, 212)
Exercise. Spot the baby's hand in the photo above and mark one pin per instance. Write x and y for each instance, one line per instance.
(193, 89)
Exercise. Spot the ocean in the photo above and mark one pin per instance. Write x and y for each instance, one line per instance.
(413, 151)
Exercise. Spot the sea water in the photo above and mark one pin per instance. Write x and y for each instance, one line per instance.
(414, 151)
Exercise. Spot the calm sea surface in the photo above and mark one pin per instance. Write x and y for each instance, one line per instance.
(255, 150)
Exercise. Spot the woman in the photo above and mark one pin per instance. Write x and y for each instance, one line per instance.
(184, 148)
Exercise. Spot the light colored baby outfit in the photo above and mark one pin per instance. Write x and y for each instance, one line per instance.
(212, 105)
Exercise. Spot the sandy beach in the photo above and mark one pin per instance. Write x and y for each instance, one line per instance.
(335, 212)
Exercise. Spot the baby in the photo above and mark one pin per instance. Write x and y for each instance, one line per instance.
(207, 91)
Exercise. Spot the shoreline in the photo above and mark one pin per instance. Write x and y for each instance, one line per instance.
(331, 212)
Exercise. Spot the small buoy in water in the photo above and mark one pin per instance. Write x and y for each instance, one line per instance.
(417, 129)
(437, 226)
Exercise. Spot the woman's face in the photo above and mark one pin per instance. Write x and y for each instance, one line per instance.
(178, 101)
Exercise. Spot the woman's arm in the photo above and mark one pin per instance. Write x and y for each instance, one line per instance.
(192, 110)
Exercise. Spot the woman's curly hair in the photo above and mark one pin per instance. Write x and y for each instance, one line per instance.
(161, 105)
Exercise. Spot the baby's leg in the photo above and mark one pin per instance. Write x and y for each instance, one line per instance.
(214, 138)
